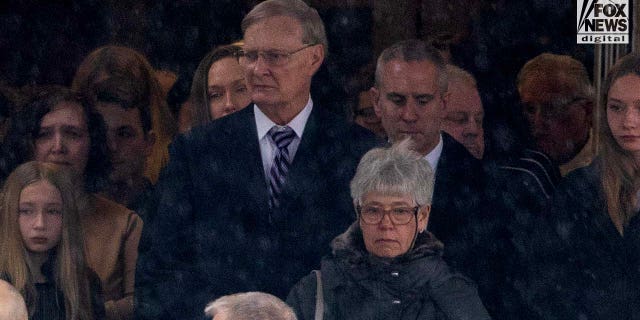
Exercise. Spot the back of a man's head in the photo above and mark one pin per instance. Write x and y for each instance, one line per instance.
(249, 306)
(12, 306)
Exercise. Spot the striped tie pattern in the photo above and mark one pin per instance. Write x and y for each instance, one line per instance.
(282, 137)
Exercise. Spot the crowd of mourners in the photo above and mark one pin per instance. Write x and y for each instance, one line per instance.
(243, 199)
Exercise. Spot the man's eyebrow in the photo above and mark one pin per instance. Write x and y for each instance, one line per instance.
(395, 95)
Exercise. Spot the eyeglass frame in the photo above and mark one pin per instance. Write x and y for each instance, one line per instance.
(242, 55)
(415, 209)
(556, 109)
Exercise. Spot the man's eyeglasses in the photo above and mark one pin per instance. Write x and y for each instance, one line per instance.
(553, 110)
(398, 215)
(274, 58)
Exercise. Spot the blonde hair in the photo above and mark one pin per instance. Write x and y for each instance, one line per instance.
(620, 173)
(70, 274)
(125, 62)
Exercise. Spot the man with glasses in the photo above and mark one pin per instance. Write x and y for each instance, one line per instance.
(557, 100)
(251, 201)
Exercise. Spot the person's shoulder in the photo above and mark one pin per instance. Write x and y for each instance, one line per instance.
(219, 130)
(337, 126)
(112, 210)
(455, 150)
(582, 180)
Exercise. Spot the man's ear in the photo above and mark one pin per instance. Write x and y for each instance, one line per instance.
(375, 100)
(445, 100)
(150, 141)
(317, 57)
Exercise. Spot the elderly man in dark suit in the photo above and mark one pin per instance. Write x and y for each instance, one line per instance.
(251, 201)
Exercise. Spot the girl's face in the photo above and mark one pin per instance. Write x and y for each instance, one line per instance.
(64, 137)
(623, 113)
(40, 216)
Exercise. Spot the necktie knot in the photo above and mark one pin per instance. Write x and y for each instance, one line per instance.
(282, 136)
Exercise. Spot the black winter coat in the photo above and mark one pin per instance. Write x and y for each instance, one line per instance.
(357, 285)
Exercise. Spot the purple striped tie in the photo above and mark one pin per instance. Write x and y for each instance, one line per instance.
(282, 137)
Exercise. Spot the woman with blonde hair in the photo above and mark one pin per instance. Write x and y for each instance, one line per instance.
(594, 213)
(41, 247)
(109, 61)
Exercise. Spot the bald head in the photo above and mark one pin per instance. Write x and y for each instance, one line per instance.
(12, 305)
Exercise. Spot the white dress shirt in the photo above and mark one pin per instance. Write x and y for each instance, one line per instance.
(267, 146)
(433, 157)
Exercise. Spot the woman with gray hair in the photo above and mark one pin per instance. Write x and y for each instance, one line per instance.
(386, 265)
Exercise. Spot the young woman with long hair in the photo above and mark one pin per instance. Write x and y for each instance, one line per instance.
(593, 266)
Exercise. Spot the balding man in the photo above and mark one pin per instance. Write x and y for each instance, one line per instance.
(464, 112)
(12, 305)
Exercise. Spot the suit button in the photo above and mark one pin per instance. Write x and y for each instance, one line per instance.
(395, 274)
(395, 301)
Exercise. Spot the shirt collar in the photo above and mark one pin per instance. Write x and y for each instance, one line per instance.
(298, 123)
(434, 156)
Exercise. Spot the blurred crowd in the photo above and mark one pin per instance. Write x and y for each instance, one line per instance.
(235, 193)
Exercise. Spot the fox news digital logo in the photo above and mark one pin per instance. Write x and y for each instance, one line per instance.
(603, 21)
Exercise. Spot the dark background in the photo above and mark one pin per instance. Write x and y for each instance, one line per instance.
(42, 42)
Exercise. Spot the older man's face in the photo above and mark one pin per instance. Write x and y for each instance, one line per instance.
(463, 117)
(281, 83)
(410, 103)
(559, 119)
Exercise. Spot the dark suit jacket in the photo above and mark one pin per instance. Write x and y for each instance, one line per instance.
(214, 234)
(457, 190)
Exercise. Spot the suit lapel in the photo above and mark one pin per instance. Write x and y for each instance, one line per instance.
(243, 136)
(306, 163)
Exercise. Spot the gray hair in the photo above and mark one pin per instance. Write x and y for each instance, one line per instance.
(312, 26)
(395, 170)
(12, 306)
(413, 50)
(456, 73)
(250, 305)
(554, 67)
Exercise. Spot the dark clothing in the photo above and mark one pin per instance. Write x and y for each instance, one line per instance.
(214, 233)
(457, 192)
(516, 191)
(50, 303)
(589, 270)
(144, 203)
(357, 285)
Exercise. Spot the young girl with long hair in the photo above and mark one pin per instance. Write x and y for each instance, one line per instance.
(41, 247)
